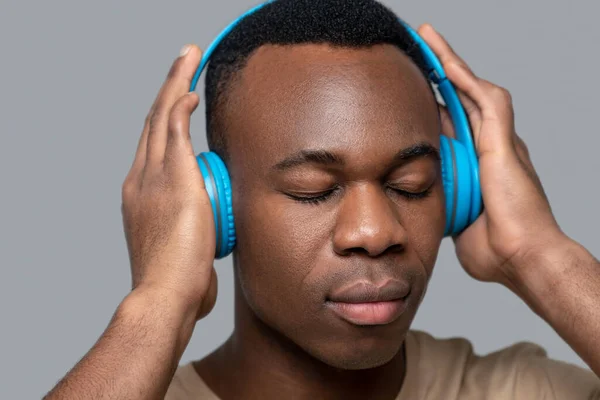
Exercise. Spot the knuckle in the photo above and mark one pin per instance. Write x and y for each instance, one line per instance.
(173, 71)
(156, 116)
(175, 120)
(128, 189)
(173, 117)
(470, 108)
(502, 95)
(154, 197)
(170, 161)
(523, 145)
(159, 185)
(149, 117)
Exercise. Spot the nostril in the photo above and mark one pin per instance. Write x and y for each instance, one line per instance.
(372, 252)
(395, 248)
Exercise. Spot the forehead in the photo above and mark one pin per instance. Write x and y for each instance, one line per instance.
(289, 98)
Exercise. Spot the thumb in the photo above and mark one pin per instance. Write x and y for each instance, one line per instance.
(179, 147)
(210, 299)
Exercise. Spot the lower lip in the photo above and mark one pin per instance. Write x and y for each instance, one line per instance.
(376, 313)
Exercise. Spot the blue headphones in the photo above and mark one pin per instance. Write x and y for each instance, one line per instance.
(460, 167)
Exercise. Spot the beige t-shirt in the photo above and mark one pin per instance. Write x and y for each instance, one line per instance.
(448, 369)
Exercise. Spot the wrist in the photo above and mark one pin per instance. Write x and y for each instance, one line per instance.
(548, 256)
(181, 299)
(166, 310)
(539, 272)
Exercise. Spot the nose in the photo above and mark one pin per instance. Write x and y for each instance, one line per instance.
(368, 222)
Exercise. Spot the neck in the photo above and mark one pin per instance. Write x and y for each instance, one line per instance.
(258, 362)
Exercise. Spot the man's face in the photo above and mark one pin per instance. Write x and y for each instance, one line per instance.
(327, 145)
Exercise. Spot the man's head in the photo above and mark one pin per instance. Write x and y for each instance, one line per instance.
(330, 133)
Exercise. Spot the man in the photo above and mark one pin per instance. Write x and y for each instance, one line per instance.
(331, 135)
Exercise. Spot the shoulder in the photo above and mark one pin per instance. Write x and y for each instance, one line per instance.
(521, 370)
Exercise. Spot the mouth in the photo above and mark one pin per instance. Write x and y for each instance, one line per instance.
(365, 303)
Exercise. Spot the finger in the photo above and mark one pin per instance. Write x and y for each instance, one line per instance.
(440, 46)
(446, 121)
(473, 112)
(480, 257)
(494, 104)
(522, 150)
(176, 85)
(211, 296)
(140, 154)
(446, 54)
(471, 109)
(179, 144)
(525, 159)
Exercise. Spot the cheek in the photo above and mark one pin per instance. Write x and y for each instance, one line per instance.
(425, 228)
(280, 245)
(276, 252)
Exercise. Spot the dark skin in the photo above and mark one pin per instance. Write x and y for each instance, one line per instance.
(293, 256)
(366, 107)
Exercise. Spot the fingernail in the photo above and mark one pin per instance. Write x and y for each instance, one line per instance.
(184, 50)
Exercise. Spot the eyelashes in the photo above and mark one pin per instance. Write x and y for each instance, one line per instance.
(313, 199)
(414, 196)
(318, 198)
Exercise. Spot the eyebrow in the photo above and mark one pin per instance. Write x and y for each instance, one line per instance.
(324, 157)
(422, 149)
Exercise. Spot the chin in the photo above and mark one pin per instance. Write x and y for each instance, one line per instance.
(363, 353)
(356, 358)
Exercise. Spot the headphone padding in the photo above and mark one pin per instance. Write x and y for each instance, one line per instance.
(221, 202)
(448, 181)
(462, 186)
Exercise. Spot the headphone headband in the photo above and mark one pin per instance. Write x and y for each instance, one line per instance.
(211, 48)
(457, 113)
(437, 76)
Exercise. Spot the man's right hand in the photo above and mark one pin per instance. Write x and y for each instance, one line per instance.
(167, 215)
(170, 235)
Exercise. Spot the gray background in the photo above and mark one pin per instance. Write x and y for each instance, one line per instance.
(76, 81)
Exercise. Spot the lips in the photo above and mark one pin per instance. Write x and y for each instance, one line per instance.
(367, 303)
(367, 292)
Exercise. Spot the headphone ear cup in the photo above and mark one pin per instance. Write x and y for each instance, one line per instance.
(447, 181)
(457, 182)
(218, 187)
(229, 237)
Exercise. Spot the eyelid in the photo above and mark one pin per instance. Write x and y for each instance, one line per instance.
(414, 196)
(309, 193)
(413, 176)
(414, 180)
(313, 197)
(410, 186)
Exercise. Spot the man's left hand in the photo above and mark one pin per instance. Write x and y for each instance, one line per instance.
(517, 220)
(516, 241)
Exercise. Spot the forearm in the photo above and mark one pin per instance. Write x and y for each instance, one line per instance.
(562, 285)
(136, 356)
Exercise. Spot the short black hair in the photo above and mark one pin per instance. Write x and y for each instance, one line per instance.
(341, 23)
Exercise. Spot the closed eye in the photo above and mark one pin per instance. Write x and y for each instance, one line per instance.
(410, 195)
(317, 198)
(312, 198)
